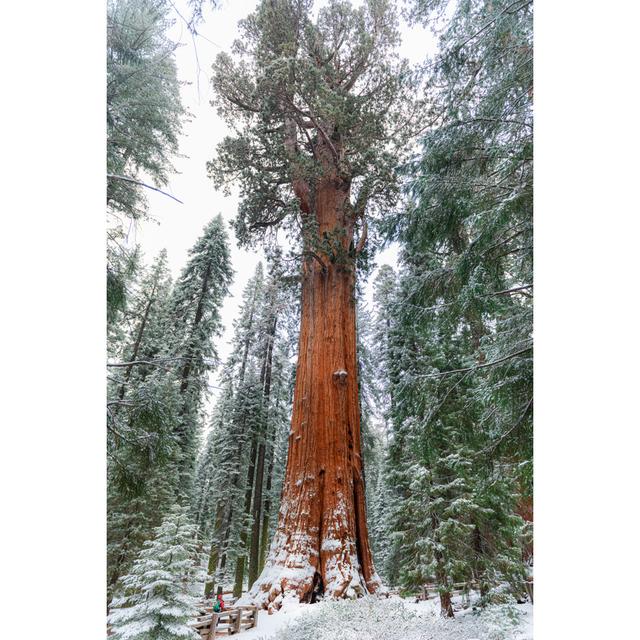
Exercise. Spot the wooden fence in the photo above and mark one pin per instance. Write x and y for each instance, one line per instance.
(228, 622)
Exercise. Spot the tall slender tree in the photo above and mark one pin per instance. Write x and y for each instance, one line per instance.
(144, 120)
(235, 471)
(320, 109)
(142, 404)
(156, 392)
(231, 450)
(194, 311)
(461, 319)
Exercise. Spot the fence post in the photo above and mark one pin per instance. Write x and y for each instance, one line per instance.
(528, 585)
(212, 629)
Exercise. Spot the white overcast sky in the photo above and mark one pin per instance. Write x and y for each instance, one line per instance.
(177, 226)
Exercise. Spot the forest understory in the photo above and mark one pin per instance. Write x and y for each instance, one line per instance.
(393, 619)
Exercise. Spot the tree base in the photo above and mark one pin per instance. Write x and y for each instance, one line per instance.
(292, 577)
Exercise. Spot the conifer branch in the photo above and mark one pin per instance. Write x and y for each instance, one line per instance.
(479, 366)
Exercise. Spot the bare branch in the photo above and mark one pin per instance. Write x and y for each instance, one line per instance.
(514, 290)
(142, 184)
(154, 363)
(495, 444)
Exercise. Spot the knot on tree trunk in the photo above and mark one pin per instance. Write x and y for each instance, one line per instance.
(340, 376)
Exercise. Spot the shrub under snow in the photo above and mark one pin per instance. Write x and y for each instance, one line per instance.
(375, 619)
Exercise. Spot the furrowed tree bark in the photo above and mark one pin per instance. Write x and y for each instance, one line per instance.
(446, 608)
(321, 543)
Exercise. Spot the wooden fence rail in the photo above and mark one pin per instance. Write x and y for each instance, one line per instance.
(230, 621)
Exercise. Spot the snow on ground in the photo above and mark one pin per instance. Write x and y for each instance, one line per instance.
(390, 619)
(270, 625)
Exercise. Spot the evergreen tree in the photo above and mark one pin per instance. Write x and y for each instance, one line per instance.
(142, 405)
(194, 321)
(454, 507)
(144, 120)
(238, 460)
(459, 381)
(154, 404)
(232, 446)
(160, 593)
(471, 207)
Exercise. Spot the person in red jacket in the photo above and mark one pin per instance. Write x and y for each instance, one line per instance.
(218, 605)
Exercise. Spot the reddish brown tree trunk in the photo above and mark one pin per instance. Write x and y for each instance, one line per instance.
(321, 543)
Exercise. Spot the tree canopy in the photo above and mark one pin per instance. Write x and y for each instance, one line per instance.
(306, 98)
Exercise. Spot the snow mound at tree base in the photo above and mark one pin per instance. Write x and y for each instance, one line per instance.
(371, 618)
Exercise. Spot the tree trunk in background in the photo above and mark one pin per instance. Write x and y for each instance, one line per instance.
(321, 542)
(136, 346)
(266, 512)
(255, 516)
(185, 430)
(242, 556)
(218, 554)
(446, 608)
(265, 379)
(214, 553)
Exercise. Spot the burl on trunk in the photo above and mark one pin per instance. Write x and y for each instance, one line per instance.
(321, 544)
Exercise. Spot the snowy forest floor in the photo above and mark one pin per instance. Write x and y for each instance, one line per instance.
(391, 619)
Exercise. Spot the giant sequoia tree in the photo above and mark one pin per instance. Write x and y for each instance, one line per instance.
(319, 108)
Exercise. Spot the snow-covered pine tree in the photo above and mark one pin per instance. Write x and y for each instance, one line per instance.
(160, 592)
(232, 437)
(373, 436)
(214, 494)
(460, 397)
(240, 458)
(194, 321)
(142, 405)
(471, 189)
(268, 332)
(144, 121)
(154, 404)
(454, 507)
(279, 417)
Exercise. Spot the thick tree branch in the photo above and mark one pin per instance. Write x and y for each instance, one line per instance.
(363, 238)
